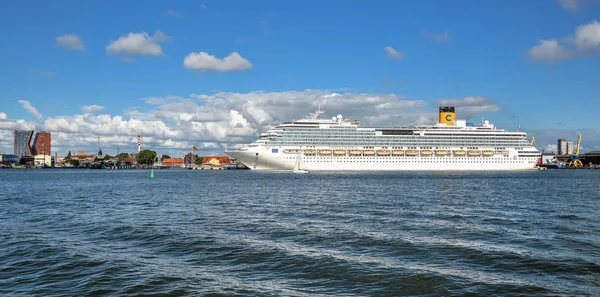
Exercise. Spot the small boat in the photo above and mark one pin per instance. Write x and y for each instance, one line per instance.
(383, 152)
(355, 152)
(488, 153)
(426, 152)
(412, 152)
(398, 152)
(339, 152)
(474, 152)
(459, 153)
(369, 152)
(441, 152)
(298, 168)
(309, 152)
(325, 152)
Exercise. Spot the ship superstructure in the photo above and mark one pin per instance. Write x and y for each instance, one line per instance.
(339, 144)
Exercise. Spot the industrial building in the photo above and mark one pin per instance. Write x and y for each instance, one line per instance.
(22, 143)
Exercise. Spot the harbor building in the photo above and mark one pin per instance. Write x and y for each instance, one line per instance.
(189, 160)
(22, 141)
(6, 159)
(216, 160)
(172, 162)
(42, 161)
(42, 143)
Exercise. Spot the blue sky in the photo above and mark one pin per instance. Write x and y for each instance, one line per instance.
(451, 50)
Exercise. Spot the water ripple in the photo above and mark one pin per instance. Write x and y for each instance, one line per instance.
(241, 233)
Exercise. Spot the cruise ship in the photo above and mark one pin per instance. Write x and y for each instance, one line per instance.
(340, 144)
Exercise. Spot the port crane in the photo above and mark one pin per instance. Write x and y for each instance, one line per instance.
(575, 162)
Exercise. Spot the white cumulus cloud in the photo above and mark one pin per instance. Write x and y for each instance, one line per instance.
(70, 41)
(92, 108)
(584, 42)
(32, 110)
(394, 54)
(587, 37)
(548, 50)
(206, 62)
(137, 44)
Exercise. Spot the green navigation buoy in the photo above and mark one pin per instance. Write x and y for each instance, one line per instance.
(152, 173)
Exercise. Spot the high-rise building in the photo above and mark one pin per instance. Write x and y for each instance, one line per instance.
(562, 147)
(42, 143)
(569, 147)
(22, 140)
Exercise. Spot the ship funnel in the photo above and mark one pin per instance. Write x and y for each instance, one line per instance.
(447, 115)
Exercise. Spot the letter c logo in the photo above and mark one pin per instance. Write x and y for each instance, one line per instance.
(448, 117)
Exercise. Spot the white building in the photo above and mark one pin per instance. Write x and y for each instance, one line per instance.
(42, 160)
(569, 147)
(563, 147)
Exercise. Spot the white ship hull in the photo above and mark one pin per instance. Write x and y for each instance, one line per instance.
(266, 160)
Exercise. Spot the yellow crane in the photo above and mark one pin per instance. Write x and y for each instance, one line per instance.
(575, 161)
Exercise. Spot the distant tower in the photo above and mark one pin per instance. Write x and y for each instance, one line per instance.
(562, 146)
(139, 144)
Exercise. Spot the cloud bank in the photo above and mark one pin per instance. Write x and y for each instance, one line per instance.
(213, 122)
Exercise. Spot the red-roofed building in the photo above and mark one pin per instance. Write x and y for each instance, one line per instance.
(172, 162)
(129, 160)
(79, 155)
(216, 160)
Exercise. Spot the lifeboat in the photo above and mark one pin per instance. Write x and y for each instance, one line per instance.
(488, 153)
(474, 152)
(383, 152)
(339, 152)
(412, 152)
(459, 153)
(355, 152)
(309, 152)
(426, 152)
(441, 152)
(397, 152)
(369, 152)
(324, 152)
